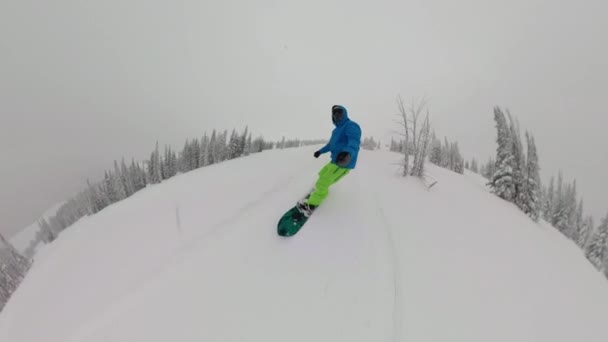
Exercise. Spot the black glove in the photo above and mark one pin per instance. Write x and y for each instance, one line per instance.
(317, 154)
(343, 159)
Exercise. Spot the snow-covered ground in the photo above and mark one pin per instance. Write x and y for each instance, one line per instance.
(197, 258)
(22, 239)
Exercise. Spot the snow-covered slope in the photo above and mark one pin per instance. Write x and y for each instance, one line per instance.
(22, 239)
(197, 258)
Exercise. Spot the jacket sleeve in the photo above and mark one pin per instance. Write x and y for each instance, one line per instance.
(325, 148)
(353, 136)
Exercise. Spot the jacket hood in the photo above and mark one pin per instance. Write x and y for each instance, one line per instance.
(344, 117)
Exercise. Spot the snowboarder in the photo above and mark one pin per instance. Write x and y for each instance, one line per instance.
(344, 147)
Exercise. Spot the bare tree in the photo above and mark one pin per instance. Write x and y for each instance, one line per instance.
(405, 133)
(416, 133)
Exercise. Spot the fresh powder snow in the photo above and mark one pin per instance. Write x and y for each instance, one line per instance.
(197, 258)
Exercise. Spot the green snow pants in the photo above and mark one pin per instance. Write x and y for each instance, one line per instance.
(329, 175)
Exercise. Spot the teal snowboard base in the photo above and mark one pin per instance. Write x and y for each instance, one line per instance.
(291, 223)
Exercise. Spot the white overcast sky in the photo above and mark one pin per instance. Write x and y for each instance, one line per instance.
(85, 82)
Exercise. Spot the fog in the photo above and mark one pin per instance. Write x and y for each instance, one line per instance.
(84, 83)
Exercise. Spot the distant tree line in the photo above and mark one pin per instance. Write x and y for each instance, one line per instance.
(473, 165)
(370, 144)
(514, 175)
(446, 155)
(298, 143)
(125, 179)
(13, 267)
(562, 208)
(487, 170)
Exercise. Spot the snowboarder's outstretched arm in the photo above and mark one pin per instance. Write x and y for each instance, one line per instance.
(324, 149)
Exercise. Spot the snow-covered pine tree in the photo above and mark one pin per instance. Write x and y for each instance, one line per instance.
(436, 152)
(97, 201)
(549, 201)
(489, 169)
(223, 143)
(126, 180)
(21, 264)
(202, 157)
(559, 218)
(233, 145)
(581, 230)
(248, 145)
(590, 228)
(571, 211)
(154, 175)
(138, 175)
(169, 163)
(532, 186)
(474, 166)
(502, 182)
(212, 149)
(13, 267)
(257, 145)
(451, 154)
(107, 189)
(117, 183)
(195, 152)
(519, 165)
(456, 159)
(157, 164)
(564, 209)
(598, 248)
(164, 164)
(368, 144)
(184, 158)
(445, 155)
(243, 142)
(220, 149)
(47, 235)
(174, 163)
(189, 161)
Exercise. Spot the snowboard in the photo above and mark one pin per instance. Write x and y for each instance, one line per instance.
(292, 221)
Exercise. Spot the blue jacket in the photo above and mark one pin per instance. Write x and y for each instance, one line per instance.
(346, 137)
